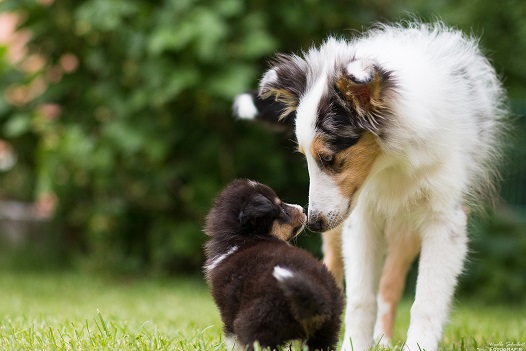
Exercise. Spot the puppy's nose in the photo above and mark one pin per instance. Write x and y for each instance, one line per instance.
(297, 207)
(316, 223)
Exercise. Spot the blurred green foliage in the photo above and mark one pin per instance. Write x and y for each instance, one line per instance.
(496, 267)
(140, 136)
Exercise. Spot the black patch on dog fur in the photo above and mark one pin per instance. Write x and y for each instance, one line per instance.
(292, 74)
(290, 84)
(268, 111)
(341, 125)
(253, 304)
(336, 123)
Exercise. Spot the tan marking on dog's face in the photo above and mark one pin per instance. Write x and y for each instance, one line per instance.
(282, 231)
(357, 162)
(319, 149)
(287, 230)
(350, 167)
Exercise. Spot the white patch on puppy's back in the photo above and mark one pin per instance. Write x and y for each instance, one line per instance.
(281, 273)
(220, 258)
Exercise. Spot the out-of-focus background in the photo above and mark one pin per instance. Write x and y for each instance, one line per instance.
(116, 129)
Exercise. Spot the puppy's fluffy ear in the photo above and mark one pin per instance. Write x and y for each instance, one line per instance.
(285, 82)
(257, 207)
(363, 86)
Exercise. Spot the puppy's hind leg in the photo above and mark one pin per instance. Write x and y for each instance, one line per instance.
(326, 337)
(232, 343)
(251, 326)
(322, 344)
(402, 248)
(332, 253)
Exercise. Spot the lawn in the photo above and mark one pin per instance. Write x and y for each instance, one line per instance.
(70, 311)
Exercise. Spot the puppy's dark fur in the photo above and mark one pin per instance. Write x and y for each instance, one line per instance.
(249, 227)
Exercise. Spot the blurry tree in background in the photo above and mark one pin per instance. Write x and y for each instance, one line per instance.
(120, 110)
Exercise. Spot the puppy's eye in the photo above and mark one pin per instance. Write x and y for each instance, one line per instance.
(285, 214)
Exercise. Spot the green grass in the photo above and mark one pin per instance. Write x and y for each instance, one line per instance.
(69, 311)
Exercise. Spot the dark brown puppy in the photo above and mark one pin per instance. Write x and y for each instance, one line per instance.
(267, 290)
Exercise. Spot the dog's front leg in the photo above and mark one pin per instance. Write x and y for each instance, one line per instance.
(363, 251)
(444, 247)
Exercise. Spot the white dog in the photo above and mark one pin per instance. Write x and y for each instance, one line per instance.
(400, 128)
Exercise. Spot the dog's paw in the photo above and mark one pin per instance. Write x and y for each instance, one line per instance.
(383, 342)
(360, 71)
(420, 345)
(356, 343)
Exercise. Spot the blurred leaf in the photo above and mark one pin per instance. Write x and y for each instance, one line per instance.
(231, 80)
(105, 15)
(258, 43)
(17, 125)
(124, 137)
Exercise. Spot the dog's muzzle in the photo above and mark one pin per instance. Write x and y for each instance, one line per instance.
(316, 223)
(321, 222)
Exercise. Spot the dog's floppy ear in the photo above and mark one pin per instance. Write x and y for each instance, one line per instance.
(363, 85)
(285, 82)
(257, 207)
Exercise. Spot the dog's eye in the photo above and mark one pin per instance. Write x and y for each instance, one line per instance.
(326, 160)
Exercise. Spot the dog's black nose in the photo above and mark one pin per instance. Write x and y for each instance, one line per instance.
(316, 223)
